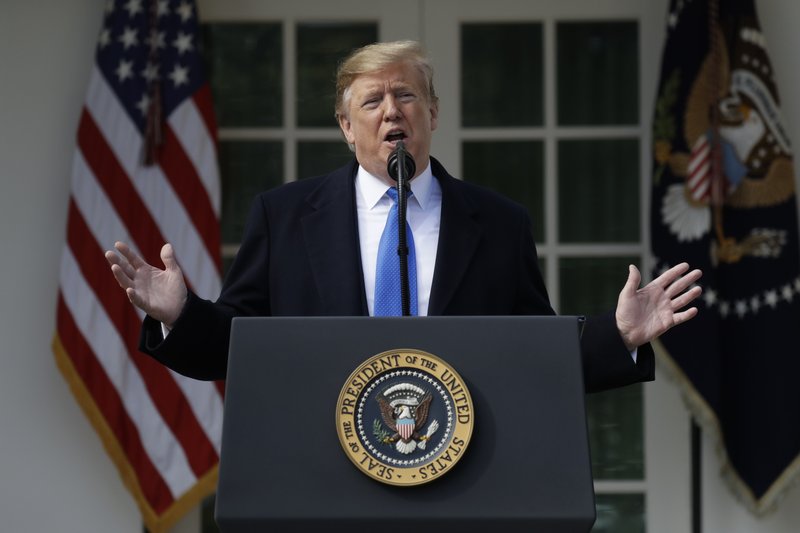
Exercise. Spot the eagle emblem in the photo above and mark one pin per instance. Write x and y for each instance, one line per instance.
(404, 417)
(404, 407)
(753, 153)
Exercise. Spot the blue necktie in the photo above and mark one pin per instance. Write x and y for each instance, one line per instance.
(387, 272)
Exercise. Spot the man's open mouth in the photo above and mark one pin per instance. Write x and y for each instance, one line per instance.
(394, 136)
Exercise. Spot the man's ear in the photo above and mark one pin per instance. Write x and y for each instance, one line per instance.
(346, 126)
(434, 115)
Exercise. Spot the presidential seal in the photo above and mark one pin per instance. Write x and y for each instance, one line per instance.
(404, 417)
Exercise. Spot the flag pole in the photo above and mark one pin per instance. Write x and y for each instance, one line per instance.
(717, 191)
(697, 477)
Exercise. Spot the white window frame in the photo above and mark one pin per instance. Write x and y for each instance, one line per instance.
(436, 24)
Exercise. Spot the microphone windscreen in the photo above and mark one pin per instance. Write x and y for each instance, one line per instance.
(401, 154)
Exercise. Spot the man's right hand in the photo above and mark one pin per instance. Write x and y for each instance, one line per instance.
(159, 293)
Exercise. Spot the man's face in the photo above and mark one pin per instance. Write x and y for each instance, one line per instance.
(384, 107)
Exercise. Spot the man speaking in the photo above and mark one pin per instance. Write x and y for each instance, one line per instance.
(316, 247)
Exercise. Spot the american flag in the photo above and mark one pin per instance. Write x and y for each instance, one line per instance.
(161, 429)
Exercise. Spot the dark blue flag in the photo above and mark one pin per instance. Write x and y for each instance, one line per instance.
(723, 200)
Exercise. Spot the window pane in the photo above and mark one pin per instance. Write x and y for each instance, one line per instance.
(512, 168)
(246, 168)
(501, 74)
(616, 433)
(320, 157)
(245, 69)
(598, 73)
(619, 513)
(320, 47)
(591, 285)
(598, 190)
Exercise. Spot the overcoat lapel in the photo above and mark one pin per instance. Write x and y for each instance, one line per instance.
(330, 230)
(459, 235)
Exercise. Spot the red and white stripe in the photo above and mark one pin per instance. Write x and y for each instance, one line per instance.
(699, 174)
(405, 427)
(167, 426)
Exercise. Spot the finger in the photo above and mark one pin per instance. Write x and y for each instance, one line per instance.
(129, 254)
(112, 258)
(686, 298)
(115, 260)
(134, 298)
(123, 279)
(682, 283)
(168, 257)
(683, 316)
(670, 275)
(634, 279)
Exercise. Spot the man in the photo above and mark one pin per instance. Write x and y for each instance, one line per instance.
(311, 247)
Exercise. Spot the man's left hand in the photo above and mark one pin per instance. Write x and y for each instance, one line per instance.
(644, 314)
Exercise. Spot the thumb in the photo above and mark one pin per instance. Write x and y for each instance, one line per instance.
(634, 279)
(168, 257)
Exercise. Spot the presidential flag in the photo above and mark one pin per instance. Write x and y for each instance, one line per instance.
(144, 172)
(723, 199)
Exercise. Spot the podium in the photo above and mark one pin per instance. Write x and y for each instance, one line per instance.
(526, 468)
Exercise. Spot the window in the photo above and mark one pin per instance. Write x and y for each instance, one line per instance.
(540, 101)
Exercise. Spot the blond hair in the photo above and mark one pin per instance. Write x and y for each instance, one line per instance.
(379, 56)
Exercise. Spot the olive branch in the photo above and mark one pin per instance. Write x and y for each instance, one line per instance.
(381, 434)
(664, 123)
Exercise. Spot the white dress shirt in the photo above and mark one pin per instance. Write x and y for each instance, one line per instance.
(423, 215)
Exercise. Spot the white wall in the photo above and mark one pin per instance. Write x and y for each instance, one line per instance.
(54, 474)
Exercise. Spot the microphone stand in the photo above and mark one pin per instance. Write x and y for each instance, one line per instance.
(400, 166)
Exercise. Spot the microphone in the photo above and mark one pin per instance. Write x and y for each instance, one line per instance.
(401, 168)
(401, 160)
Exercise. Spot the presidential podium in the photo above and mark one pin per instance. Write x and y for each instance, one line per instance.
(526, 468)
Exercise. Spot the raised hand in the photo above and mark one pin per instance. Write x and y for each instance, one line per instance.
(159, 293)
(644, 314)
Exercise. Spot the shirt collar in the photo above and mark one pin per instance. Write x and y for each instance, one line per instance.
(372, 188)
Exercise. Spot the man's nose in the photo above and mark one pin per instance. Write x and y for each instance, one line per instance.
(391, 110)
